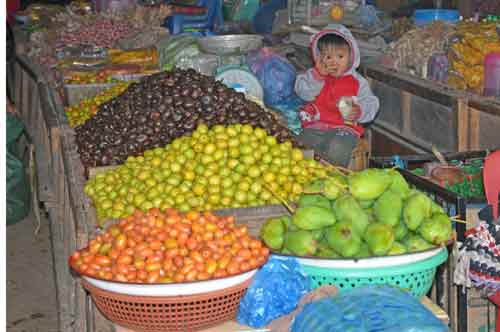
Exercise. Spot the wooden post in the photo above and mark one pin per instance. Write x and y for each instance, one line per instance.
(406, 112)
(462, 125)
(474, 129)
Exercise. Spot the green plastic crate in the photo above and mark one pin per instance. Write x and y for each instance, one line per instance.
(416, 277)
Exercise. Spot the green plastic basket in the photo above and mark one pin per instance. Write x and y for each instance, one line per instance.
(416, 277)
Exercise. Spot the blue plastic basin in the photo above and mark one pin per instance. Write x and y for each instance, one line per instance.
(426, 16)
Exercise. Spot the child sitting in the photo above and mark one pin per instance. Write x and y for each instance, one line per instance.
(333, 82)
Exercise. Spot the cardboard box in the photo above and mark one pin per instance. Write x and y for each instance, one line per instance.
(481, 313)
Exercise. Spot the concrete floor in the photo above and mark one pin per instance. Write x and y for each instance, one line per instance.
(31, 300)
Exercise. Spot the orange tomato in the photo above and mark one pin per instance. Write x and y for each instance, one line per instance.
(102, 260)
(153, 277)
(121, 242)
(155, 245)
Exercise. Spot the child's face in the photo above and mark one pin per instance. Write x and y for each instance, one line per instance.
(336, 60)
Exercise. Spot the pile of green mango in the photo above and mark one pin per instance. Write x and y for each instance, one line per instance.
(373, 212)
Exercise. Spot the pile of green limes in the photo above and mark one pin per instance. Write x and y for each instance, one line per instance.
(222, 167)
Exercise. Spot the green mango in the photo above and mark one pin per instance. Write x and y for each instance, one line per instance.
(334, 186)
(286, 251)
(400, 231)
(436, 229)
(416, 243)
(272, 233)
(397, 249)
(318, 234)
(369, 183)
(366, 204)
(313, 217)
(313, 200)
(417, 207)
(388, 208)
(379, 237)
(301, 243)
(315, 186)
(325, 251)
(343, 239)
(399, 184)
(436, 208)
(347, 209)
(364, 252)
(287, 221)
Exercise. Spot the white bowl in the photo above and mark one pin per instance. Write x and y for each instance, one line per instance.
(175, 289)
(371, 262)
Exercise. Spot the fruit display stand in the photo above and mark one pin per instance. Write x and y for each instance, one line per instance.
(462, 304)
(460, 121)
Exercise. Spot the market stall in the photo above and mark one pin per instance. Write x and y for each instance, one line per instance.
(136, 130)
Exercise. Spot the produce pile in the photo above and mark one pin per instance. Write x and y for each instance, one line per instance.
(412, 51)
(466, 56)
(87, 108)
(369, 213)
(90, 78)
(103, 32)
(162, 107)
(166, 247)
(224, 167)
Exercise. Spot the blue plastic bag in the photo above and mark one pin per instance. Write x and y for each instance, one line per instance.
(290, 109)
(368, 309)
(275, 73)
(275, 291)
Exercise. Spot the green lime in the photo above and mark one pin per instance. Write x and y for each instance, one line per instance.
(209, 148)
(198, 189)
(244, 186)
(248, 159)
(256, 188)
(146, 205)
(240, 196)
(207, 159)
(254, 172)
(175, 167)
(259, 133)
(226, 201)
(232, 163)
(246, 149)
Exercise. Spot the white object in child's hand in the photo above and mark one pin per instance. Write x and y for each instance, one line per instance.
(345, 106)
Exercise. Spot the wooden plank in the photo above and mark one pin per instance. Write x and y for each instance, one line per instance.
(485, 104)
(18, 90)
(406, 110)
(440, 94)
(474, 129)
(462, 126)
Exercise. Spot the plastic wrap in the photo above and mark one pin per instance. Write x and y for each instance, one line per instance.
(275, 291)
(17, 186)
(290, 111)
(368, 309)
(275, 73)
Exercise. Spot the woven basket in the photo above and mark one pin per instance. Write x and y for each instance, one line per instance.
(168, 313)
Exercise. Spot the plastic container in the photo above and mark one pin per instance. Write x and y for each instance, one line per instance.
(492, 75)
(425, 16)
(414, 272)
(242, 81)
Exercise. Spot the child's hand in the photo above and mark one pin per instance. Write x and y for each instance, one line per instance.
(354, 113)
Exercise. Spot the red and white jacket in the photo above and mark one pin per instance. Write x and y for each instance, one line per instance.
(324, 92)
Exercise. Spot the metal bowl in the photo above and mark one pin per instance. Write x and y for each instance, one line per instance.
(230, 44)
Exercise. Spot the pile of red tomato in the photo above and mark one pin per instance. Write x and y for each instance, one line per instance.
(169, 246)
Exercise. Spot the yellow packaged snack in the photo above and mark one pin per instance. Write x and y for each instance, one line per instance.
(143, 56)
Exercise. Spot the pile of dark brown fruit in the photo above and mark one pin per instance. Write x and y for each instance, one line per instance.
(162, 107)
